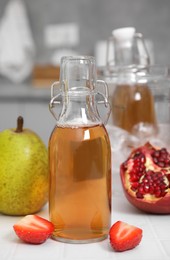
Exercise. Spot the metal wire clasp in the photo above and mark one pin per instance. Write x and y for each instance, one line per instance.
(54, 99)
(105, 100)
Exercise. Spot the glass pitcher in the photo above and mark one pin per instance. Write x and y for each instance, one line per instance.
(79, 156)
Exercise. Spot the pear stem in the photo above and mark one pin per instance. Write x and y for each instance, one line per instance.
(20, 122)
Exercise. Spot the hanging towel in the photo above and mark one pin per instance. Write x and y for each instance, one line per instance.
(17, 48)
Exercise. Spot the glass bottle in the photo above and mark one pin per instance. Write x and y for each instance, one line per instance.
(132, 101)
(79, 156)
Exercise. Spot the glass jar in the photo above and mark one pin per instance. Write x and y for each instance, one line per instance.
(79, 156)
(126, 56)
(157, 80)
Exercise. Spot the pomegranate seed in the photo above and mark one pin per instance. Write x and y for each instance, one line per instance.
(149, 173)
(151, 190)
(135, 185)
(125, 165)
(161, 164)
(158, 182)
(167, 162)
(159, 174)
(163, 150)
(137, 154)
(134, 177)
(140, 174)
(163, 193)
(155, 159)
(163, 160)
(157, 188)
(142, 166)
(163, 187)
(163, 157)
(143, 159)
(141, 190)
(146, 188)
(156, 154)
(168, 177)
(140, 169)
(139, 195)
(145, 180)
(158, 194)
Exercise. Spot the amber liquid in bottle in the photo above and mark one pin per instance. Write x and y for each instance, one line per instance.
(80, 183)
(131, 105)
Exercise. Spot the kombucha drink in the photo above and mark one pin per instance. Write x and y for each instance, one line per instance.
(132, 105)
(80, 183)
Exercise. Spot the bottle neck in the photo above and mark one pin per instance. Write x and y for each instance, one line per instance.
(79, 110)
(131, 53)
(124, 54)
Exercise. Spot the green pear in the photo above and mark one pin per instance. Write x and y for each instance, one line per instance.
(23, 171)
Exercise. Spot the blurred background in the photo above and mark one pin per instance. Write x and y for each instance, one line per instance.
(34, 41)
(97, 18)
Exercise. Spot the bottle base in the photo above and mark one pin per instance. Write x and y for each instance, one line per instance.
(79, 241)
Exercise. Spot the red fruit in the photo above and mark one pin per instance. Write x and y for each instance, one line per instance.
(145, 177)
(33, 229)
(124, 236)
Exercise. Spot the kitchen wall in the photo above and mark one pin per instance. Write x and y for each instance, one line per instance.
(97, 18)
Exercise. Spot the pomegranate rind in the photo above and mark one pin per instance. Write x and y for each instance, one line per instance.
(157, 206)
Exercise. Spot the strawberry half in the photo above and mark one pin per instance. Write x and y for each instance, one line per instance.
(124, 236)
(33, 229)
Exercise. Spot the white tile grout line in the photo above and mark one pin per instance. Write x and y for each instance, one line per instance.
(166, 257)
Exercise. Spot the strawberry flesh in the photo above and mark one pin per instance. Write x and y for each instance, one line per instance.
(33, 229)
(124, 236)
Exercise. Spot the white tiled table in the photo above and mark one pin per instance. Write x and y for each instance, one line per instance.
(155, 244)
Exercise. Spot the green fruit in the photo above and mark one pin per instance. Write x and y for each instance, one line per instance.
(23, 171)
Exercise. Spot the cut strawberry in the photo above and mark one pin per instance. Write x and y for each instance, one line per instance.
(124, 236)
(33, 229)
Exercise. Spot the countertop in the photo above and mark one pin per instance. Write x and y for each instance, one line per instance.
(23, 91)
(155, 244)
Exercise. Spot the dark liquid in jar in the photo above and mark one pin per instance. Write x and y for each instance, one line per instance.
(132, 105)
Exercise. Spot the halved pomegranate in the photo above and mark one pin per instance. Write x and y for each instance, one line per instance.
(145, 177)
